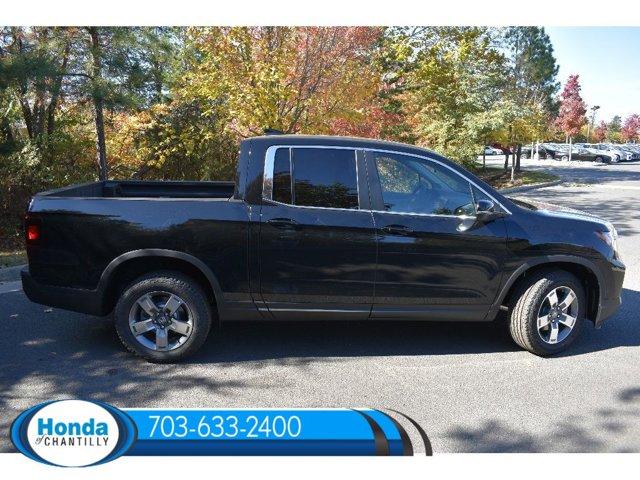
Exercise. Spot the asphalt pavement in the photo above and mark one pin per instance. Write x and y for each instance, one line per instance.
(469, 386)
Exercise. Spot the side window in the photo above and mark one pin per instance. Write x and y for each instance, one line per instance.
(282, 176)
(413, 185)
(324, 177)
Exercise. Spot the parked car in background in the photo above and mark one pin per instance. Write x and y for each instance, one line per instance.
(584, 154)
(616, 154)
(492, 151)
(632, 153)
(544, 152)
(504, 150)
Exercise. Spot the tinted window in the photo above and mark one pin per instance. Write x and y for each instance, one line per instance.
(324, 177)
(413, 185)
(282, 176)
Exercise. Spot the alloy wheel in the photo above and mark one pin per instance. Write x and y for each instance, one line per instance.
(557, 315)
(160, 321)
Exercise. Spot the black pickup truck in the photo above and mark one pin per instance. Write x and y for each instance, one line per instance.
(319, 228)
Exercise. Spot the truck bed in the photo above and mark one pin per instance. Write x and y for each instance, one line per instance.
(145, 189)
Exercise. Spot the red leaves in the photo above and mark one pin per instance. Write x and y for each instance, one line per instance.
(572, 108)
(630, 131)
(600, 133)
(373, 122)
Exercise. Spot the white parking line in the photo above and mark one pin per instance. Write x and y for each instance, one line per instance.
(605, 186)
(10, 287)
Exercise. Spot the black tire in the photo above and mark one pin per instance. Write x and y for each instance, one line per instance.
(173, 283)
(527, 301)
(564, 158)
(599, 159)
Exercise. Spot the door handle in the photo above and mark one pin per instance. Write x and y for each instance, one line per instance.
(283, 223)
(397, 230)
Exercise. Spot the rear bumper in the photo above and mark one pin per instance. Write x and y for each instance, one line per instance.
(75, 299)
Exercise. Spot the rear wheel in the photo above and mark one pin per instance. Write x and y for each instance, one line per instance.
(548, 312)
(564, 158)
(163, 317)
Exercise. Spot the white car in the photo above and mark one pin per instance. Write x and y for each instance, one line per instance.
(616, 153)
(492, 151)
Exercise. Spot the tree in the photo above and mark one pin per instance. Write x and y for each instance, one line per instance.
(600, 133)
(630, 131)
(572, 114)
(615, 125)
(33, 62)
(447, 81)
(290, 79)
(98, 100)
(531, 83)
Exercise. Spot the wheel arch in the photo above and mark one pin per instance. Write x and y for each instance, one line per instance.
(584, 270)
(128, 266)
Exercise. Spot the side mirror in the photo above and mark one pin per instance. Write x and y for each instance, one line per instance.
(486, 211)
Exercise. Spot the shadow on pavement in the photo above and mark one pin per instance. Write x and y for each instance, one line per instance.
(55, 354)
(576, 432)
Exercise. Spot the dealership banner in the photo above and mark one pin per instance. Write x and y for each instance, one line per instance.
(83, 433)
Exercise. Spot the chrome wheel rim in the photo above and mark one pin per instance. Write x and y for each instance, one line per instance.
(557, 315)
(160, 321)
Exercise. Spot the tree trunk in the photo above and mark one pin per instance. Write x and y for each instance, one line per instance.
(484, 156)
(57, 87)
(98, 104)
(518, 154)
(532, 148)
(570, 148)
(26, 114)
(513, 163)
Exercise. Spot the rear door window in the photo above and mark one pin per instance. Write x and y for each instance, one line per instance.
(316, 177)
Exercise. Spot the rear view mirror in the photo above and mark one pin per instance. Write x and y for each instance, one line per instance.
(486, 211)
(485, 205)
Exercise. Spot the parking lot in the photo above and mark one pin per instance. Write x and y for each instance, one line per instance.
(468, 385)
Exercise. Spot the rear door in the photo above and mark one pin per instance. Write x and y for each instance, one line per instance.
(317, 237)
(434, 260)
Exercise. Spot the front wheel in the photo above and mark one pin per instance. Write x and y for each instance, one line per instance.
(548, 312)
(564, 158)
(163, 317)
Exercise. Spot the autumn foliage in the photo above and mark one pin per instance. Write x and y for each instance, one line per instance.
(572, 108)
(600, 132)
(173, 102)
(630, 131)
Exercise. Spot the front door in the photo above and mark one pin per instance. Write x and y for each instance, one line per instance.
(434, 260)
(317, 246)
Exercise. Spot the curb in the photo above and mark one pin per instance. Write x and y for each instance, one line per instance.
(533, 186)
(11, 274)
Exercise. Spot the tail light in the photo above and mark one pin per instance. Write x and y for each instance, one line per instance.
(33, 232)
(32, 229)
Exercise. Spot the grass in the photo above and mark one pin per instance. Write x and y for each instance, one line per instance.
(11, 258)
(499, 178)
